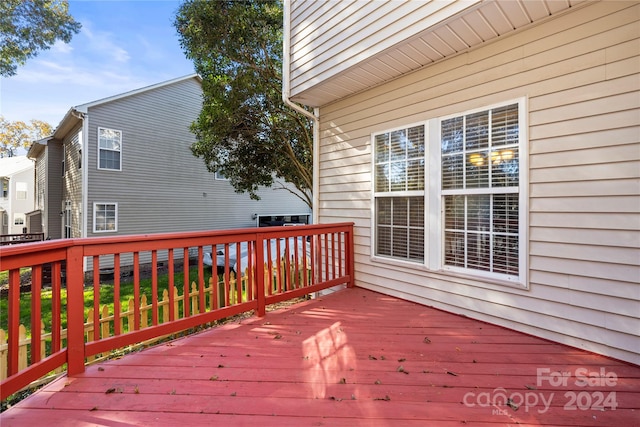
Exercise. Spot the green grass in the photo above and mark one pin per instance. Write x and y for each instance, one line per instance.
(106, 298)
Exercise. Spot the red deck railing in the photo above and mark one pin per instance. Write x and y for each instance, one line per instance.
(271, 264)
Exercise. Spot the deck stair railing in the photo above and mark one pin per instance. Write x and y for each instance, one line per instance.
(251, 268)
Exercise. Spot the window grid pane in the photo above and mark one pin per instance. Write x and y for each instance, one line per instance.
(491, 159)
(399, 160)
(481, 232)
(400, 227)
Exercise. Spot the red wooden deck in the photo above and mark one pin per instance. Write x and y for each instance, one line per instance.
(352, 358)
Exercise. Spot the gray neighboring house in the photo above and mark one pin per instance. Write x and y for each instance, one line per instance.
(122, 165)
(16, 197)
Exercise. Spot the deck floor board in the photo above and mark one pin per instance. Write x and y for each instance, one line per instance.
(351, 358)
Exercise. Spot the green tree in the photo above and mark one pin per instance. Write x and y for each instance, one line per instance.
(29, 26)
(18, 134)
(245, 131)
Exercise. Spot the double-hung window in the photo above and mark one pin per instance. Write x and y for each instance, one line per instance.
(448, 194)
(399, 193)
(109, 149)
(105, 217)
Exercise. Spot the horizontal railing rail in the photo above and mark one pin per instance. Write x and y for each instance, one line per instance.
(12, 239)
(70, 292)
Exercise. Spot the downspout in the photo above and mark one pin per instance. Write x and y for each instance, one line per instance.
(286, 93)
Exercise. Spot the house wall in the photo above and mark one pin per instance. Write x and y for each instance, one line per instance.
(321, 48)
(17, 172)
(72, 179)
(21, 206)
(162, 187)
(580, 74)
(54, 184)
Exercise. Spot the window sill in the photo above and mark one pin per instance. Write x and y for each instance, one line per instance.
(466, 277)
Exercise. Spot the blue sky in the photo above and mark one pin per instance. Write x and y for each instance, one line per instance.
(123, 45)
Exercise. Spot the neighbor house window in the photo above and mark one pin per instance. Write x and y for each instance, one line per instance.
(449, 194)
(67, 219)
(399, 193)
(105, 217)
(18, 218)
(5, 188)
(109, 149)
(21, 190)
(220, 176)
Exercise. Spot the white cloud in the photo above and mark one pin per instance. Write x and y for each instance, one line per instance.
(61, 48)
(103, 43)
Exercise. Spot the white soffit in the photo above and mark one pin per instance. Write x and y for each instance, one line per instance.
(471, 28)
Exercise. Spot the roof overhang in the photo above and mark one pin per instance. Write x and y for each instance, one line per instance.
(483, 22)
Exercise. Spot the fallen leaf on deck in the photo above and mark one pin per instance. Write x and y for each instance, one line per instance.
(386, 398)
(372, 357)
(452, 373)
(402, 359)
(427, 340)
(342, 381)
(512, 405)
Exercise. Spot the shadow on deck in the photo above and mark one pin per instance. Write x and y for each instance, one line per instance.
(355, 357)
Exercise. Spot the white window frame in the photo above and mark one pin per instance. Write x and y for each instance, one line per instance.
(95, 224)
(100, 149)
(22, 190)
(67, 220)
(376, 195)
(4, 182)
(220, 177)
(19, 217)
(434, 259)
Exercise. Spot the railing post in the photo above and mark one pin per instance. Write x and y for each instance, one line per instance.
(350, 261)
(260, 261)
(75, 310)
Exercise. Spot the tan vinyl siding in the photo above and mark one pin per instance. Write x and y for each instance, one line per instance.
(162, 187)
(329, 37)
(580, 73)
